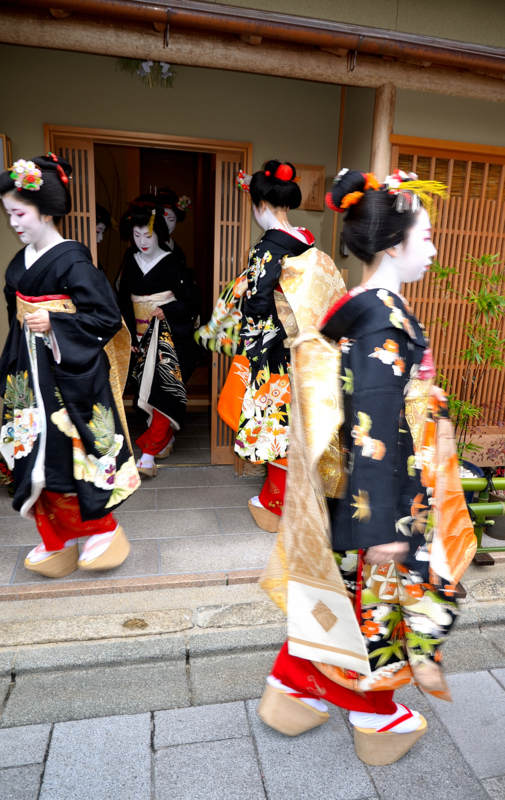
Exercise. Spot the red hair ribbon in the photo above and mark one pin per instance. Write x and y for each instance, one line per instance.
(284, 172)
(59, 169)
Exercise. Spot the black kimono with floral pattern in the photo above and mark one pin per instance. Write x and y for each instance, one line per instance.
(404, 616)
(263, 434)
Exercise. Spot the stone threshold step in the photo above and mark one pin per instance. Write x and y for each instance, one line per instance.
(119, 585)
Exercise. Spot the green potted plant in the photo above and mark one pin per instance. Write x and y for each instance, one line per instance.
(483, 348)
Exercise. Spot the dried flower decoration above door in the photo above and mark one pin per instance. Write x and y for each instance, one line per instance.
(152, 73)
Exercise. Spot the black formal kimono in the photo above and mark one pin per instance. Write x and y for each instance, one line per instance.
(174, 352)
(262, 338)
(61, 428)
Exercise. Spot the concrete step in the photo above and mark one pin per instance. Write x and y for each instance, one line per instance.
(77, 658)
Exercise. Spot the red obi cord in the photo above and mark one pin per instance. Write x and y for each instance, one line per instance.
(45, 298)
(274, 489)
(302, 675)
(157, 436)
(58, 519)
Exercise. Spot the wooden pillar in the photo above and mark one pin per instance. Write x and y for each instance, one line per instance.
(383, 119)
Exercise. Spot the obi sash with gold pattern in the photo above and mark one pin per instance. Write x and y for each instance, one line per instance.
(118, 349)
(143, 307)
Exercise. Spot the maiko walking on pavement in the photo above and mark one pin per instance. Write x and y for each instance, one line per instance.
(62, 374)
(370, 433)
(288, 285)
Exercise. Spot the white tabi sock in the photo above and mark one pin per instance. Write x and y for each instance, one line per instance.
(256, 502)
(146, 460)
(310, 701)
(362, 719)
(39, 553)
(96, 545)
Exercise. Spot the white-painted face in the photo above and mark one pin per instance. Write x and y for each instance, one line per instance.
(170, 219)
(100, 230)
(145, 242)
(26, 220)
(417, 252)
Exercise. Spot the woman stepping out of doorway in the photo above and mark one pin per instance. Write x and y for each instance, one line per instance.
(160, 303)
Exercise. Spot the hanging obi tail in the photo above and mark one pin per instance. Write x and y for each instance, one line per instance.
(157, 370)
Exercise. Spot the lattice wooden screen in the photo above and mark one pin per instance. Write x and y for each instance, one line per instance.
(80, 224)
(470, 222)
(231, 240)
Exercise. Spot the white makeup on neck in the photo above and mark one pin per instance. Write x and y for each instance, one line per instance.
(409, 261)
(147, 243)
(170, 219)
(31, 226)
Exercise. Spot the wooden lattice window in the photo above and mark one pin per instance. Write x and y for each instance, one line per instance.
(471, 222)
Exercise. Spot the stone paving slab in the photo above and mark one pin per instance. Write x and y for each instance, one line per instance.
(80, 694)
(466, 650)
(100, 758)
(21, 746)
(20, 783)
(216, 553)
(200, 724)
(225, 770)
(495, 787)
(474, 721)
(320, 764)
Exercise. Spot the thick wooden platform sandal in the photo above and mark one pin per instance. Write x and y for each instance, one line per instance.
(116, 553)
(265, 519)
(384, 746)
(288, 714)
(149, 472)
(56, 565)
(168, 449)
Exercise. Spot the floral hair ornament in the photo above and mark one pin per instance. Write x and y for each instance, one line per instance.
(243, 181)
(352, 198)
(412, 192)
(184, 203)
(26, 175)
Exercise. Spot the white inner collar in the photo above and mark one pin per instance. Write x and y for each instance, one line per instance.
(32, 255)
(146, 266)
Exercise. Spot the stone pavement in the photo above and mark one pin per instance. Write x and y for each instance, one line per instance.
(188, 520)
(224, 752)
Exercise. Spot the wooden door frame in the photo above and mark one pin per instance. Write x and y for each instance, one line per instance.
(242, 150)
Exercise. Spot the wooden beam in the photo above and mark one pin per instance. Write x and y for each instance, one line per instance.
(230, 53)
(383, 121)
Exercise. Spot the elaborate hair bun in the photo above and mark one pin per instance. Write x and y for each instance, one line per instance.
(52, 196)
(347, 182)
(169, 199)
(144, 210)
(276, 184)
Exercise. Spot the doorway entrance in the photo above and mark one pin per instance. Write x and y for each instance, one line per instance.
(221, 222)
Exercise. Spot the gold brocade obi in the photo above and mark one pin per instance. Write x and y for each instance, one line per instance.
(118, 349)
(50, 302)
(143, 307)
(311, 284)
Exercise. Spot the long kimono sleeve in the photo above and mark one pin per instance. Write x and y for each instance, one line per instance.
(374, 380)
(187, 305)
(81, 336)
(10, 296)
(124, 299)
(261, 328)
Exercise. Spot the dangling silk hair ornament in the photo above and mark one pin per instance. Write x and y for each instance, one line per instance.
(411, 192)
(150, 224)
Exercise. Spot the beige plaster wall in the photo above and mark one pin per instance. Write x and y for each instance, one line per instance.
(287, 119)
(463, 20)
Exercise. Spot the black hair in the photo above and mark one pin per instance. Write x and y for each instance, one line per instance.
(139, 214)
(168, 199)
(279, 192)
(53, 197)
(372, 224)
(103, 216)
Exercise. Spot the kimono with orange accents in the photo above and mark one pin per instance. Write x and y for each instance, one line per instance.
(387, 476)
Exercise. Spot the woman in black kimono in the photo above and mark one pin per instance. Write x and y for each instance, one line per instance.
(62, 431)
(399, 526)
(160, 303)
